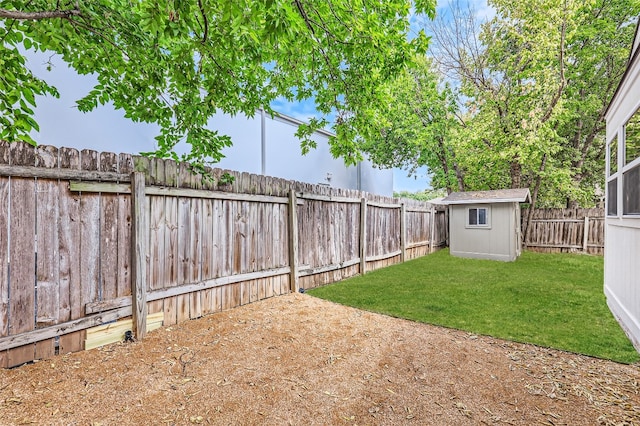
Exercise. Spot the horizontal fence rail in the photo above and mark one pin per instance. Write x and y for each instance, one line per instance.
(88, 238)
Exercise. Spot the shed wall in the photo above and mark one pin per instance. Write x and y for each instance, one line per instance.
(497, 242)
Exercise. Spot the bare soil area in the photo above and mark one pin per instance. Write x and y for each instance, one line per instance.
(300, 360)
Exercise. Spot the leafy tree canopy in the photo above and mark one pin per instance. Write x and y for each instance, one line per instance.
(531, 88)
(176, 62)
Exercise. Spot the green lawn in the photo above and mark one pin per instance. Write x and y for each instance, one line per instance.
(553, 300)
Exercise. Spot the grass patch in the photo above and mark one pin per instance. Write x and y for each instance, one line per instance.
(552, 300)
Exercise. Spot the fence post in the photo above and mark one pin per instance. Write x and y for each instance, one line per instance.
(585, 239)
(403, 232)
(293, 242)
(363, 236)
(432, 227)
(138, 256)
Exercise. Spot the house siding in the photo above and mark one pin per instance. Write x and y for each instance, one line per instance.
(622, 281)
(622, 233)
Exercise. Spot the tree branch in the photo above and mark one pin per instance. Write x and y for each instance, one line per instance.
(205, 21)
(35, 16)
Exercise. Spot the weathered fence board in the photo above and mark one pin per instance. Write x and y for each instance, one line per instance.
(22, 248)
(4, 245)
(47, 268)
(67, 248)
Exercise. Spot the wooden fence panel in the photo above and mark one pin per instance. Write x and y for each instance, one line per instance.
(563, 230)
(69, 244)
(383, 230)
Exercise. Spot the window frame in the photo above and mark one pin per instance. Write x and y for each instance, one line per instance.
(486, 225)
(624, 167)
(615, 176)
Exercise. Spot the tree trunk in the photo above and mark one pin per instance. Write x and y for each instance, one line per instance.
(534, 199)
(442, 156)
(515, 169)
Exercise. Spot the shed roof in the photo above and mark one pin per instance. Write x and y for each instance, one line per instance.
(518, 195)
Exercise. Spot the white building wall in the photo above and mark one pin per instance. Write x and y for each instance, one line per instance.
(279, 155)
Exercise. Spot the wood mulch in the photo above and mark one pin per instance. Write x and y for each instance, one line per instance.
(299, 360)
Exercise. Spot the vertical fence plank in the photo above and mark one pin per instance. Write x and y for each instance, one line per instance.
(184, 262)
(585, 235)
(207, 247)
(89, 236)
(157, 255)
(47, 259)
(125, 166)
(293, 241)
(363, 236)
(4, 252)
(403, 232)
(108, 233)
(432, 227)
(171, 266)
(138, 252)
(22, 262)
(195, 252)
(123, 261)
(69, 249)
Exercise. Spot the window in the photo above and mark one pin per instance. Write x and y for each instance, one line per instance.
(632, 138)
(612, 197)
(631, 191)
(623, 170)
(627, 177)
(478, 217)
(613, 156)
(612, 177)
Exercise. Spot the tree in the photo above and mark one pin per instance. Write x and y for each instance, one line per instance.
(425, 195)
(536, 80)
(177, 62)
(415, 126)
(598, 54)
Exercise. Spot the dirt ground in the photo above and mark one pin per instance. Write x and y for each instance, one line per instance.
(299, 360)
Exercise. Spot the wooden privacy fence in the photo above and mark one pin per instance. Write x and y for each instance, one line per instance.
(87, 238)
(566, 230)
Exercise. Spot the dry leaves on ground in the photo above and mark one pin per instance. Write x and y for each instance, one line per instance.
(300, 360)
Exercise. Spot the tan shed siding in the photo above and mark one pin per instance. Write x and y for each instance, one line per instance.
(495, 242)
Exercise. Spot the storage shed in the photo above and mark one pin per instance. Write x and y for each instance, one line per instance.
(486, 224)
(622, 222)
